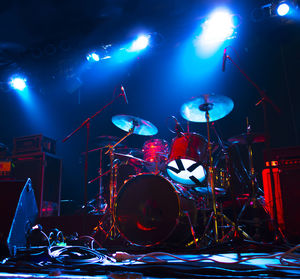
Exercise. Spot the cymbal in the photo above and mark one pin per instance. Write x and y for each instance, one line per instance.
(140, 126)
(130, 150)
(132, 159)
(218, 107)
(248, 138)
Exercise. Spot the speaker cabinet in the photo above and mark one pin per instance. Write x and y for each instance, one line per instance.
(45, 172)
(287, 199)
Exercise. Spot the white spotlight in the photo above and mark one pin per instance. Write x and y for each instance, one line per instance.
(140, 43)
(93, 57)
(218, 27)
(283, 9)
(18, 83)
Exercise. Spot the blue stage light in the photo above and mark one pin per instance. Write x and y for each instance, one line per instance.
(140, 43)
(283, 9)
(18, 83)
(93, 57)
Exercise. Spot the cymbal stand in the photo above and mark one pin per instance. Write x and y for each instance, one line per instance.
(207, 107)
(215, 214)
(87, 124)
(112, 232)
(253, 200)
(263, 101)
(229, 173)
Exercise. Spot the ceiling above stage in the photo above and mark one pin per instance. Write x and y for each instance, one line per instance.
(27, 25)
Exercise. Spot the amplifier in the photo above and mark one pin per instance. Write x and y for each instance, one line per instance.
(283, 157)
(45, 172)
(285, 164)
(32, 144)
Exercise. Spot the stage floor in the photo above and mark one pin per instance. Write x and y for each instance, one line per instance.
(83, 262)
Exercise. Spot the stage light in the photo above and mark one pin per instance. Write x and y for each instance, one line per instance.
(283, 9)
(93, 57)
(140, 43)
(218, 27)
(18, 83)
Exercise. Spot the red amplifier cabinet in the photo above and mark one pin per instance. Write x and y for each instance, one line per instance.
(45, 171)
(32, 144)
(285, 164)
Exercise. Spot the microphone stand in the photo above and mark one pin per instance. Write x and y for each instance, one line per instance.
(87, 124)
(265, 99)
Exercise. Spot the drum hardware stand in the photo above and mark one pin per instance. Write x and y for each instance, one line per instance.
(207, 107)
(112, 231)
(87, 124)
(263, 100)
(195, 240)
(234, 223)
(216, 214)
(253, 199)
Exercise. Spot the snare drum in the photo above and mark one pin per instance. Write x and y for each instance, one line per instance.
(187, 158)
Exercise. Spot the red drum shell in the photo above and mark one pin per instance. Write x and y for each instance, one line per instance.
(190, 146)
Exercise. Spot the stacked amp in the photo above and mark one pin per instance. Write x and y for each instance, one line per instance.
(34, 157)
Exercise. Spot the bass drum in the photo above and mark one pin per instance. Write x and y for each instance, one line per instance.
(148, 209)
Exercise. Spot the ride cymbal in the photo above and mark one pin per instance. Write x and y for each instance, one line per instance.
(140, 126)
(217, 106)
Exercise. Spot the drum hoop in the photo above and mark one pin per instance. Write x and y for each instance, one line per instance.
(149, 173)
(184, 157)
(188, 134)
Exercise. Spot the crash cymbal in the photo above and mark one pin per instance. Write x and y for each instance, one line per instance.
(140, 126)
(218, 107)
(248, 138)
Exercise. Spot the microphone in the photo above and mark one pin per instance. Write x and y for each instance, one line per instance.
(124, 94)
(224, 60)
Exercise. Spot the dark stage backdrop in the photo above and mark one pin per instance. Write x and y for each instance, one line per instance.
(156, 89)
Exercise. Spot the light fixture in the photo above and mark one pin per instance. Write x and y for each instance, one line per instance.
(18, 83)
(283, 8)
(218, 27)
(93, 57)
(140, 43)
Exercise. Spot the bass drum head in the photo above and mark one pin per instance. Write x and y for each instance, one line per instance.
(146, 210)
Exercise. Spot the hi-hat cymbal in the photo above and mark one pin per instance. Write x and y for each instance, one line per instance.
(139, 126)
(130, 150)
(134, 160)
(248, 138)
(218, 107)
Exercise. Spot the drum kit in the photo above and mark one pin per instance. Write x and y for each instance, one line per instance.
(162, 196)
